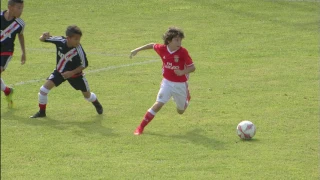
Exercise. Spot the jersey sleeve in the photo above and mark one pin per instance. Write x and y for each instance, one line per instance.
(157, 48)
(22, 25)
(54, 39)
(188, 59)
(83, 57)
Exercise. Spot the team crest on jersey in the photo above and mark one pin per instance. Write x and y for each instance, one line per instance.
(176, 58)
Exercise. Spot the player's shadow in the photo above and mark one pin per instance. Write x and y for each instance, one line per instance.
(94, 126)
(194, 136)
(10, 114)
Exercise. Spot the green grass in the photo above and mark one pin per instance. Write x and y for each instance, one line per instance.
(255, 59)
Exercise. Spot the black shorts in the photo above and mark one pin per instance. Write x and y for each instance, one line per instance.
(5, 61)
(78, 83)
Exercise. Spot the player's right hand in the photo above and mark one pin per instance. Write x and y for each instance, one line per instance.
(133, 53)
(46, 35)
(23, 59)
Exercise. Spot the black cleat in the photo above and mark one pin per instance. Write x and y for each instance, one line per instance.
(98, 107)
(38, 115)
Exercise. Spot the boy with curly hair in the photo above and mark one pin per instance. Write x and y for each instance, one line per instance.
(176, 66)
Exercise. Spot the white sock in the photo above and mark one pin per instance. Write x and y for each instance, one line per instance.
(152, 111)
(3, 86)
(45, 90)
(43, 99)
(92, 97)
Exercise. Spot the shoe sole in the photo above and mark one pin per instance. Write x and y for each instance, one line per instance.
(37, 117)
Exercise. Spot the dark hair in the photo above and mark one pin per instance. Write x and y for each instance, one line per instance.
(72, 30)
(13, 2)
(171, 33)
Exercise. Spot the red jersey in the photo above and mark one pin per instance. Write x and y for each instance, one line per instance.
(179, 59)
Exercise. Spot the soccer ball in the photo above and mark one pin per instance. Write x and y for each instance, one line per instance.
(246, 129)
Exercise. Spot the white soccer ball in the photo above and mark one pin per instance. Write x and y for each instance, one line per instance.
(246, 129)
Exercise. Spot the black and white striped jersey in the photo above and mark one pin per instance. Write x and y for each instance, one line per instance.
(68, 59)
(9, 30)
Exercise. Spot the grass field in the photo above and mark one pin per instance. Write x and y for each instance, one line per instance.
(255, 60)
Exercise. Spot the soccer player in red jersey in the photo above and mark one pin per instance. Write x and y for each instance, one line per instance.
(176, 66)
(71, 60)
(11, 25)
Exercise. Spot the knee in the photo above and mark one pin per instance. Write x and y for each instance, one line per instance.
(157, 106)
(44, 91)
(86, 95)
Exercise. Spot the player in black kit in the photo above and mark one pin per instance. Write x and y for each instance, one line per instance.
(71, 60)
(11, 25)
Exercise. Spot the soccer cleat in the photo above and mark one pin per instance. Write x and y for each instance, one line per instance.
(138, 131)
(9, 98)
(98, 107)
(38, 115)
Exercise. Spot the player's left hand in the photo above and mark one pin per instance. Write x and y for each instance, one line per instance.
(23, 59)
(67, 74)
(133, 53)
(179, 72)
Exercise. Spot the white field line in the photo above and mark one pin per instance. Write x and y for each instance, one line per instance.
(121, 66)
(90, 53)
(89, 71)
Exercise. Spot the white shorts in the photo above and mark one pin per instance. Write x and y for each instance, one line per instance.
(178, 90)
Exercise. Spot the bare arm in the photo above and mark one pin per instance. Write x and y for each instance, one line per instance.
(69, 74)
(23, 48)
(78, 70)
(187, 70)
(144, 47)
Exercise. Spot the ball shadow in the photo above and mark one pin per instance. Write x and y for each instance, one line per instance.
(194, 136)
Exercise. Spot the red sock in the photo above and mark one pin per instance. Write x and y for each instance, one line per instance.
(7, 91)
(146, 119)
(42, 107)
